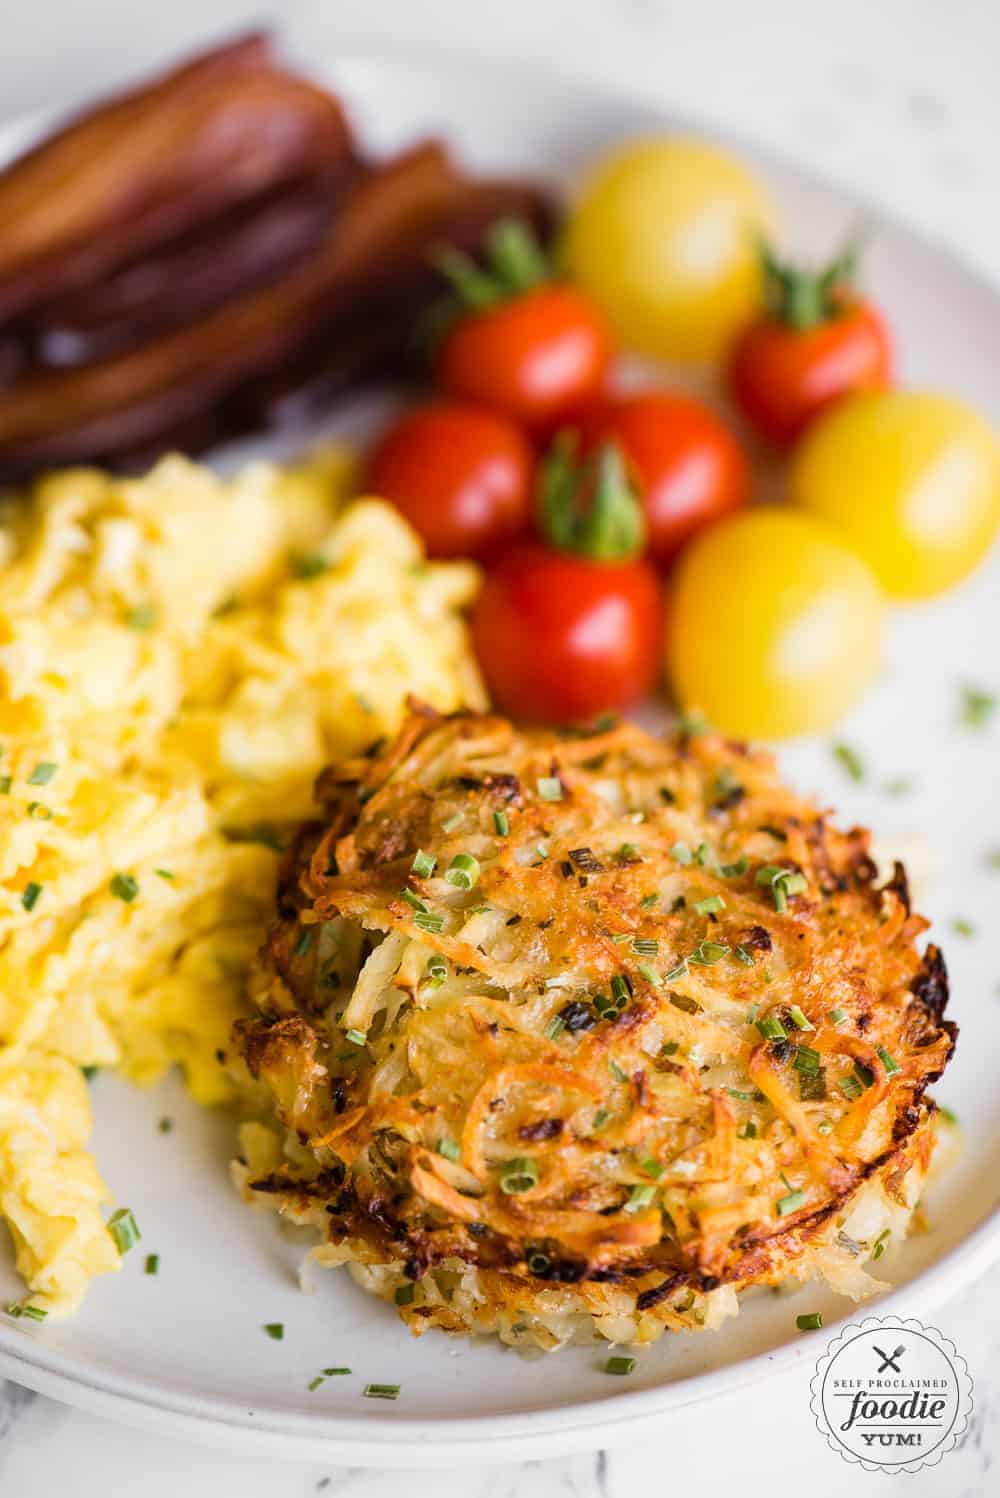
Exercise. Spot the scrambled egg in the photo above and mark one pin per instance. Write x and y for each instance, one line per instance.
(179, 656)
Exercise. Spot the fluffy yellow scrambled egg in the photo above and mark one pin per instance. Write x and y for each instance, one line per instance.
(179, 656)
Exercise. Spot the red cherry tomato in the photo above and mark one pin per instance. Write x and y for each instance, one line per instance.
(536, 357)
(462, 477)
(819, 341)
(561, 638)
(687, 466)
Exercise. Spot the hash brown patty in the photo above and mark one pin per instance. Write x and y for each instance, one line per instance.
(588, 1031)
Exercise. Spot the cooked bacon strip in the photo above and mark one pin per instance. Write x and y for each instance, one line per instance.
(153, 163)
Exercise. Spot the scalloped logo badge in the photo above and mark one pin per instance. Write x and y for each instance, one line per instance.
(892, 1395)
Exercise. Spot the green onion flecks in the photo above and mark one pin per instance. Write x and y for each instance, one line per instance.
(518, 1175)
(463, 871)
(124, 1229)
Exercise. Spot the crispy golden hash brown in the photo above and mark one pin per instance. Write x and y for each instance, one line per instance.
(577, 1032)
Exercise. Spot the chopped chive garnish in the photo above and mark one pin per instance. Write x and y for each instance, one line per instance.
(628, 853)
(771, 1028)
(849, 760)
(448, 1148)
(600, 1119)
(620, 989)
(889, 1062)
(501, 823)
(782, 882)
(748, 1130)
(437, 969)
(900, 786)
(6, 781)
(550, 788)
(423, 864)
(806, 1059)
(412, 899)
(463, 871)
(742, 954)
(43, 772)
(962, 927)
(334, 1372)
(304, 942)
(881, 1243)
(681, 853)
(31, 894)
(651, 1167)
(124, 1229)
(650, 975)
(621, 1076)
(20, 1308)
(541, 852)
(685, 1004)
(163, 874)
(838, 1016)
(645, 946)
(165, 1125)
(555, 1024)
(275, 1330)
(702, 854)
(89, 1072)
(812, 1321)
(404, 1295)
(948, 1114)
(708, 953)
(676, 973)
(734, 870)
(124, 887)
(744, 1097)
(518, 1175)
(621, 938)
(619, 1366)
(977, 707)
(429, 920)
(454, 822)
(850, 1087)
(790, 1203)
(381, 1391)
(308, 565)
(798, 1019)
(142, 617)
(356, 1037)
(39, 811)
(640, 1197)
(864, 1076)
(812, 1085)
(710, 905)
(314, 1384)
(152, 1265)
(648, 901)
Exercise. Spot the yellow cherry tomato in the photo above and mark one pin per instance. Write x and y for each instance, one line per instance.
(664, 238)
(774, 627)
(910, 479)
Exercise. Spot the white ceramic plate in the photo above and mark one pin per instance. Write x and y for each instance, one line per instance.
(185, 1351)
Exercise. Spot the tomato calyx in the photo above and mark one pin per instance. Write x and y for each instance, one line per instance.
(804, 298)
(589, 508)
(515, 263)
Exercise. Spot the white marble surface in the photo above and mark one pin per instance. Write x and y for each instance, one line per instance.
(898, 99)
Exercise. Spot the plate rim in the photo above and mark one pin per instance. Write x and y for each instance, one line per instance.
(398, 1441)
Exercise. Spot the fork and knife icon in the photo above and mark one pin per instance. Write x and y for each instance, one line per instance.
(888, 1358)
